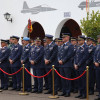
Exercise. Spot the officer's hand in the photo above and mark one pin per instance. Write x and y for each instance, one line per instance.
(21, 61)
(60, 62)
(11, 61)
(96, 64)
(46, 61)
(32, 62)
(76, 67)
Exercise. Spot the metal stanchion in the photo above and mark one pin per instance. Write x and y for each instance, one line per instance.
(23, 93)
(53, 97)
(87, 81)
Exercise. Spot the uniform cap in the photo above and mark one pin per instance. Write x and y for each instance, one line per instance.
(4, 41)
(48, 36)
(73, 39)
(37, 39)
(89, 38)
(15, 37)
(66, 34)
(26, 38)
(59, 39)
(81, 37)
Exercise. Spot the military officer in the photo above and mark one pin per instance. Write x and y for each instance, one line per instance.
(94, 42)
(50, 57)
(4, 63)
(44, 70)
(15, 63)
(59, 43)
(37, 63)
(97, 64)
(65, 63)
(74, 84)
(89, 62)
(25, 61)
(80, 59)
(10, 45)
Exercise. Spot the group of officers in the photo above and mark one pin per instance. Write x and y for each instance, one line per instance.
(69, 55)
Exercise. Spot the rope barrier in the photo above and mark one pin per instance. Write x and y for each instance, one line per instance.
(70, 78)
(45, 74)
(12, 73)
(38, 76)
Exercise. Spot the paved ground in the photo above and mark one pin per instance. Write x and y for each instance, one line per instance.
(13, 95)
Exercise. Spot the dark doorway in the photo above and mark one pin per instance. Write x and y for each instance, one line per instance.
(38, 31)
(72, 27)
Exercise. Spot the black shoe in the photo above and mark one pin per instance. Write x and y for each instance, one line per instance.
(83, 97)
(29, 90)
(18, 89)
(56, 93)
(91, 93)
(13, 88)
(63, 94)
(48, 92)
(78, 96)
(97, 99)
(39, 92)
(5, 88)
(45, 89)
(75, 91)
(67, 95)
(2, 88)
(34, 91)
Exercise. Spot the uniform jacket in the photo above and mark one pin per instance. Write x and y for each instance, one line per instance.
(25, 53)
(91, 50)
(65, 54)
(15, 55)
(4, 56)
(37, 55)
(51, 51)
(97, 54)
(81, 56)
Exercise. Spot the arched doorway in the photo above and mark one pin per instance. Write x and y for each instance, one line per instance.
(38, 31)
(68, 25)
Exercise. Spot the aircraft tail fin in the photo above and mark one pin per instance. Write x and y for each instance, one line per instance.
(25, 6)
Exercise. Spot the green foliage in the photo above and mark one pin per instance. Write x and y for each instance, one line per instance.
(90, 25)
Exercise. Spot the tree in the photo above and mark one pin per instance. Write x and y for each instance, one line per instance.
(90, 25)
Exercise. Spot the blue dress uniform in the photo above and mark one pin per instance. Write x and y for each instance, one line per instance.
(4, 64)
(74, 84)
(51, 55)
(15, 56)
(89, 62)
(81, 57)
(37, 55)
(44, 69)
(97, 60)
(57, 40)
(25, 59)
(65, 56)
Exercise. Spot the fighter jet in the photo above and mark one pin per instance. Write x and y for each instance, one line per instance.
(37, 9)
(82, 5)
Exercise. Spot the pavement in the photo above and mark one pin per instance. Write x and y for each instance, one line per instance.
(14, 95)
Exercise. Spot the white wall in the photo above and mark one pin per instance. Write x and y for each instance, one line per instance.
(49, 20)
